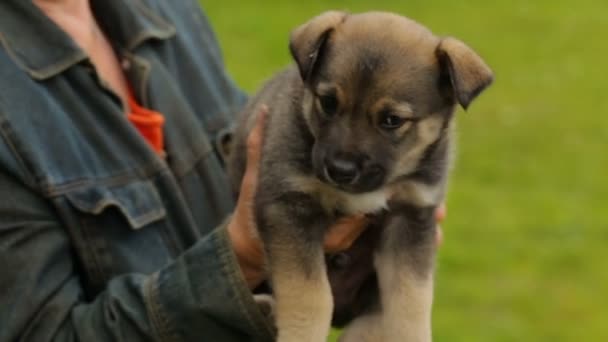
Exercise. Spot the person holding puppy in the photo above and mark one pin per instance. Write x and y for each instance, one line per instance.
(116, 219)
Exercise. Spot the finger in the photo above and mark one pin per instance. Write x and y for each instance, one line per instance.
(441, 213)
(255, 138)
(344, 233)
(254, 152)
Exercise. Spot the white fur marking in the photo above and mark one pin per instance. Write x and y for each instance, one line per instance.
(365, 203)
(332, 198)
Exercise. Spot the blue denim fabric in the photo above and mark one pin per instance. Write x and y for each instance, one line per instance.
(100, 238)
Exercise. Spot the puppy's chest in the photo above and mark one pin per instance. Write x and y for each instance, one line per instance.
(413, 193)
(365, 203)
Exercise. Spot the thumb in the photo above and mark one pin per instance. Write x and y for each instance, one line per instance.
(254, 152)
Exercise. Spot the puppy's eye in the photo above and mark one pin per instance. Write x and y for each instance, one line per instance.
(391, 121)
(329, 104)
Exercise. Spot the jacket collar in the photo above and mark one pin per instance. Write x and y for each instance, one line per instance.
(43, 50)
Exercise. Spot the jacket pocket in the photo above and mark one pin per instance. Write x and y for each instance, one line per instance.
(117, 230)
(138, 201)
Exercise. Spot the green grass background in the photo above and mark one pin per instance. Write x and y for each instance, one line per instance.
(525, 256)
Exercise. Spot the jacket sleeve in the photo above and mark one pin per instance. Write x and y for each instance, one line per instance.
(42, 299)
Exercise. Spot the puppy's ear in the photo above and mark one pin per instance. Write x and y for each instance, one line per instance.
(306, 42)
(468, 73)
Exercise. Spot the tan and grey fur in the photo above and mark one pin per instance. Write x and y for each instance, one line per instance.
(360, 124)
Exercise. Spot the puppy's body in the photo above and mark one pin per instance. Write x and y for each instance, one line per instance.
(361, 124)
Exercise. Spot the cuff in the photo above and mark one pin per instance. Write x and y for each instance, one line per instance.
(203, 295)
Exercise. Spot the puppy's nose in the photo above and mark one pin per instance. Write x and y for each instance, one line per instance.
(341, 170)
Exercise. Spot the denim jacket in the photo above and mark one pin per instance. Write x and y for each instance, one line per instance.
(100, 238)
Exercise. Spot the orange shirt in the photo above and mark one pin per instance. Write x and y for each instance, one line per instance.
(148, 122)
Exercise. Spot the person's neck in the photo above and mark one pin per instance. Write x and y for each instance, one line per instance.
(74, 17)
(62, 8)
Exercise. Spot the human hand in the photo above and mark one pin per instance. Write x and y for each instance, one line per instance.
(241, 227)
(346, 230)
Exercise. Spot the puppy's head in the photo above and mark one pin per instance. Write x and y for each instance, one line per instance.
(380, 89)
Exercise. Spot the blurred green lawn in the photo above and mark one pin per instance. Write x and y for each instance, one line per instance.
(526, 236)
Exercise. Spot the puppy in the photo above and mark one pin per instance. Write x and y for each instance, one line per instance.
(360, 124)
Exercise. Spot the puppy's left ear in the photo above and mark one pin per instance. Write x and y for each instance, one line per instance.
(468, 73)
(307, 41)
